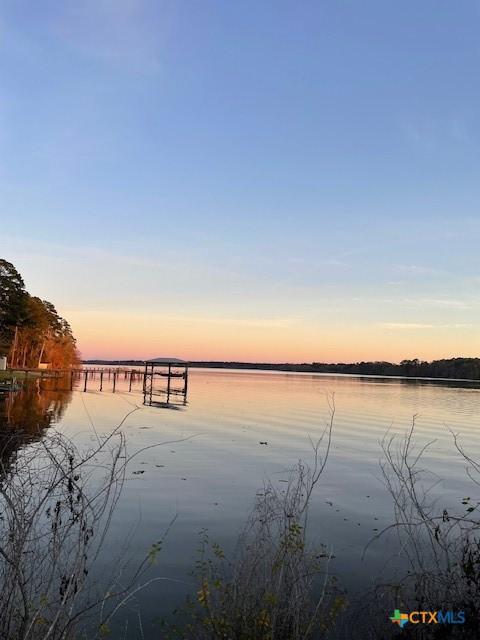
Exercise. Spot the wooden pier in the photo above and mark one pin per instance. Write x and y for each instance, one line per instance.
(160, 378)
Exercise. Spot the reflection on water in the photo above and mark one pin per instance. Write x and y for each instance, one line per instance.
(27, 413)
(249, 426)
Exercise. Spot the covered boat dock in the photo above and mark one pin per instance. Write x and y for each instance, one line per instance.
(161, 379)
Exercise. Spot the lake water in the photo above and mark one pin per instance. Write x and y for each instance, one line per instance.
(210, 481)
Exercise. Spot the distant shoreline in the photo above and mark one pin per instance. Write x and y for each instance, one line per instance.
(466, 369)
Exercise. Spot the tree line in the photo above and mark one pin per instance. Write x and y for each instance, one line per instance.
(460, 368)
(31, 330)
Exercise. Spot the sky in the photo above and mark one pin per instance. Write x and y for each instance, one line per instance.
(260, 181)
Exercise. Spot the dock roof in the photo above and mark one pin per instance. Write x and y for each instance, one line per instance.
(166, 361)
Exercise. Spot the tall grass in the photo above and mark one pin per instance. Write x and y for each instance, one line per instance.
(439, 544)
(56, 507)
(277, 586)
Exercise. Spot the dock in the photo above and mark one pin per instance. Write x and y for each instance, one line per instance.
(162, 381)
(160, 375)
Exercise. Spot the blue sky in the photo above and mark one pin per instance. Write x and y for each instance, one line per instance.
(256, 180)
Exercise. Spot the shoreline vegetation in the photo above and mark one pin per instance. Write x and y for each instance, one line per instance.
(451, 368)
(32, 333)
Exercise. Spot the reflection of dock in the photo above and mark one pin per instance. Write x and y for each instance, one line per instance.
(171, 369)
(9, 384)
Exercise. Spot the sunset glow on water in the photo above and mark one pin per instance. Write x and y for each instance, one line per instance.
(211, 480)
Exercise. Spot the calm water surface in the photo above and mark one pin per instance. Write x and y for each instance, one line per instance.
(211, 480)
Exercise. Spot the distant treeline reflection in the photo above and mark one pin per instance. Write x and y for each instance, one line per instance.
(459, 368)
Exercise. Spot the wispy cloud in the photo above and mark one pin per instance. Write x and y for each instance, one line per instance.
(257, 323)
(128, 34)
(441, 303)
(405, 325)
(444, 303)
(417, 269)
(429, 135)
(322, 262)
(408, 326)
